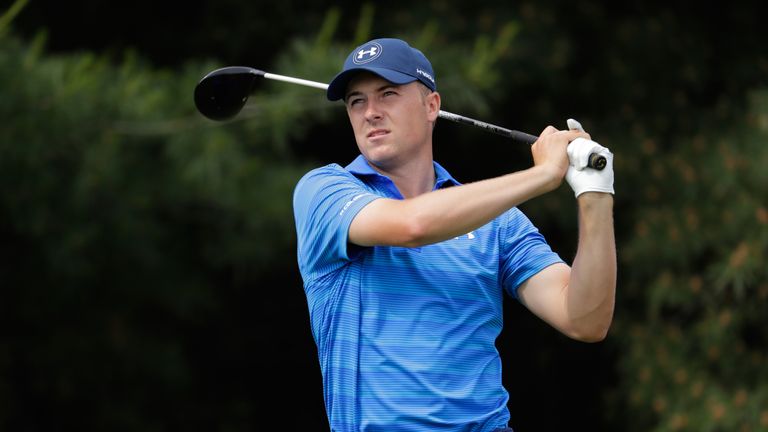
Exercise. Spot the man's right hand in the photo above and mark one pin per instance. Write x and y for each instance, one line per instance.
(550, 152)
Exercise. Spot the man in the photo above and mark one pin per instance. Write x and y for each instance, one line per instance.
(405, 269)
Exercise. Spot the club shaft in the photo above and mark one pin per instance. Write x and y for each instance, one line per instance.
(517, 136)
(596, 161)
(293, 80)
(218, 104)
(514, 135)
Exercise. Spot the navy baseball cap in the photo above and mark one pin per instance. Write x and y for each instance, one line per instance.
(392, 59)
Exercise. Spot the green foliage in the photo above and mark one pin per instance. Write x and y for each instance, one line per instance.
(695, 354)
(130, 222)
(7, 17)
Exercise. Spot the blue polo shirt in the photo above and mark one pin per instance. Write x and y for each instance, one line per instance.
(406, 336)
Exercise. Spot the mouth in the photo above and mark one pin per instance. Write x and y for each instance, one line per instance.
(377, 133)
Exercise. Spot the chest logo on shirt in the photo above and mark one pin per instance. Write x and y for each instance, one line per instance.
(470, 235)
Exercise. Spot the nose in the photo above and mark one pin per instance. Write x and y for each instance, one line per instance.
(372, 111)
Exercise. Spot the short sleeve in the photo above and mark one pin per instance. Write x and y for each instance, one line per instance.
(524, 251)
(325, 201)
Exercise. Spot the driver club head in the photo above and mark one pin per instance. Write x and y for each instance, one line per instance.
(222, 93)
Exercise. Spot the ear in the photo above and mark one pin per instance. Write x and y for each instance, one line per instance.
(433, 105)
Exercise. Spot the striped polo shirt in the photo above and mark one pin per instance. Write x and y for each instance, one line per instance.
(406, 336)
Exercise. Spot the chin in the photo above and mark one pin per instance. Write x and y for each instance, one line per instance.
(378, 155)
(379, 161)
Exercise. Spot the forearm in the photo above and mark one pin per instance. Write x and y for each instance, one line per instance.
(591, 290)
(453, 211)
(447, 213)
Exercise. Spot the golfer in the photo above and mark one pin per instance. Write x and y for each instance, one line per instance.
(405, 269)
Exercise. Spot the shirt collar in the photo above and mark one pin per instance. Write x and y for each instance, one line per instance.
(360, 167)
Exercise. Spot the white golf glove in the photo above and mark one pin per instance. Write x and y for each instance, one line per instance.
(579, 176)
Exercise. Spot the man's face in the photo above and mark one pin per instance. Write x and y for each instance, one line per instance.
(391, 122)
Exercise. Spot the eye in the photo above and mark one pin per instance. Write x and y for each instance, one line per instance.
(389, 93)
(354, 101)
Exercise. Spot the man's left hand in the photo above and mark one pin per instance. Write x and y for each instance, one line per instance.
(582, 178)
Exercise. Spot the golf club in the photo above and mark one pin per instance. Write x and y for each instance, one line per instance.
(222, 93)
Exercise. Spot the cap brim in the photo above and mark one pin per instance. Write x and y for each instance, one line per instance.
(338, 86)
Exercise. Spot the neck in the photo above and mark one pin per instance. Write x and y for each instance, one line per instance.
(412, 178)
(414, 181)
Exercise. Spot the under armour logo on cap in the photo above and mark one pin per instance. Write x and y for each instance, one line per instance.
(391, 59)
(368, 53)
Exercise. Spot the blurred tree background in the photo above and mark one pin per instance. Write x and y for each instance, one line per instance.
(148, 273)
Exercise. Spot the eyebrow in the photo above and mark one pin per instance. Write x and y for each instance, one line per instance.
(380, 89)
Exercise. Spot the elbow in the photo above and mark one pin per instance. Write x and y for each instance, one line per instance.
(389, 222)
(592, 332)
(593, 326)
(415, 234)
(415, 228)
(592, 336)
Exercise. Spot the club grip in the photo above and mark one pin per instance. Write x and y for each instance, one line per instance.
(595, 161)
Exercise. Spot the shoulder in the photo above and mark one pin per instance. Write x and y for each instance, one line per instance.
(329, 170)
(329, 183)
(516, 227)
(514, 218)
(323, 177)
